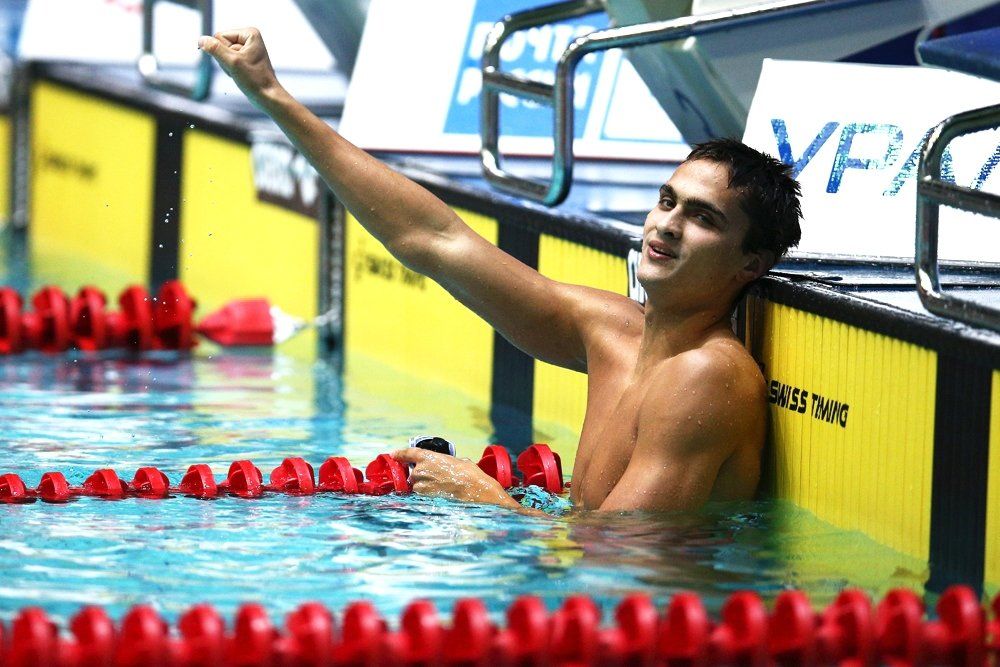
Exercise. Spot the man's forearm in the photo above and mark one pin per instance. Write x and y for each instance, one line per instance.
(398, 212)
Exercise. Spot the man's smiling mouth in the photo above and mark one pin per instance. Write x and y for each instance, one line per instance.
(660, 251)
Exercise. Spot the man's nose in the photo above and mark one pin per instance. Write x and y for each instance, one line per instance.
(671, 223)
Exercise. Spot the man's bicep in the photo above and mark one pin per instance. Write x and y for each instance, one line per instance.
(687, 430)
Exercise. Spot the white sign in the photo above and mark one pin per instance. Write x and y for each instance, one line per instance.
(424, 97)
(110, 31)
(853, 134)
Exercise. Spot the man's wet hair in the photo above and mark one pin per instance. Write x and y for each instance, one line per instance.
(768, 193)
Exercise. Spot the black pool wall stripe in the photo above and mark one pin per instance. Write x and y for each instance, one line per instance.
(960, 474)
(165, 237)
(512, 386)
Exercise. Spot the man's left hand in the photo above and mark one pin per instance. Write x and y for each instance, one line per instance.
(442, 475)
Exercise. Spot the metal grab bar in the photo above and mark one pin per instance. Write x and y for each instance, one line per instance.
(149, 65)
(496, 82)
(560, 95)
(931, 193)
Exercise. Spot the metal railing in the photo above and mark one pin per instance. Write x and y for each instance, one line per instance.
(931, 193)
(560, 94)
(149, 64)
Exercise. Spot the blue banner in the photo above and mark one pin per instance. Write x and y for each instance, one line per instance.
(532, 53)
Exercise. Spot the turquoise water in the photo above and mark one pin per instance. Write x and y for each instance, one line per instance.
(77, 413)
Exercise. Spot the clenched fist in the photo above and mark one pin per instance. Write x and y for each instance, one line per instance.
(243, 56)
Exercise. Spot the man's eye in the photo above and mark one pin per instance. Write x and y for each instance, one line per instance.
(666, 202)
(706, 219)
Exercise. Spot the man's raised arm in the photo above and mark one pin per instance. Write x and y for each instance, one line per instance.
(538, 315)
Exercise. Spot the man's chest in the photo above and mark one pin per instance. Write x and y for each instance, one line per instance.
(607, 439)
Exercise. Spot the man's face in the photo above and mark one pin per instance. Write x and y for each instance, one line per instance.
(692, 240)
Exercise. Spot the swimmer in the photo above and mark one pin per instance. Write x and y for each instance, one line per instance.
(676, 407)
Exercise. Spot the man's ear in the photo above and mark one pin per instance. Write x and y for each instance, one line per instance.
(756, 264)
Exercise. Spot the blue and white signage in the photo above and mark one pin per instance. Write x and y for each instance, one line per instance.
(412, 92)
(853, 134)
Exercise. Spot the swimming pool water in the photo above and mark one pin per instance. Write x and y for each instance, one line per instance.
(76, 413)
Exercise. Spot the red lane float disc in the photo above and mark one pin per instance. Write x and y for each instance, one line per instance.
(634, 639)
(540, 466)
(105, 483)
(51, 306)
(53, 488)
(244, 480)
(294, 475)
(199, 482)
(745, 617)
(496, 463)
(173, 317)
(204, 634)
(136, 320)
(898, 625)
(88, 320)
(792, 633)
(150, 483)
(94, 632)
(11, 339)
(386, 475)
(337, 475)
(12, 489)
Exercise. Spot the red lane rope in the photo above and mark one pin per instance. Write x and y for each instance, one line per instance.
(850, 631)
(538, 464)
(57, 322)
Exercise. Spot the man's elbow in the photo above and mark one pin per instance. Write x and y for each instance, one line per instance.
(427, 252)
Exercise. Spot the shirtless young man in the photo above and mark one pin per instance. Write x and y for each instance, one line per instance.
(676, 409)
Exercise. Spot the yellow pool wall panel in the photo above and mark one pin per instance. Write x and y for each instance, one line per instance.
(408, 321)
(6, 159)
(992, 561)
(233, 245)
(559, 402)
(857, 450)
(91, 189)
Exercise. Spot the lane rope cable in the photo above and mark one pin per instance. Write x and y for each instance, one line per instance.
(850, 631)
(538, 465)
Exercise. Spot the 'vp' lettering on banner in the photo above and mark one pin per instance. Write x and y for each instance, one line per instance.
(873, 147)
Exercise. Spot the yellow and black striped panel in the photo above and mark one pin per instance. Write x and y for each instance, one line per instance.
(408, 321)
(233, 246)
(560, 395)
(5, 168)
(852, 425)
(992, 573)
(91, 189)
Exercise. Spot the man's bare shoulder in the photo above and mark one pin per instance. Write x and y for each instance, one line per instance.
(721, 359)
(718, 383)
